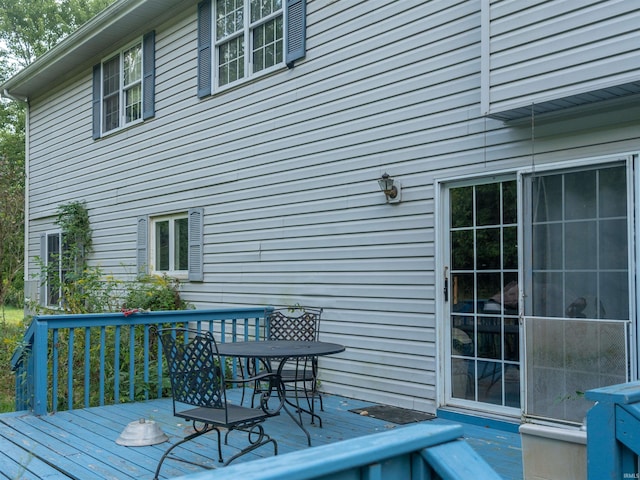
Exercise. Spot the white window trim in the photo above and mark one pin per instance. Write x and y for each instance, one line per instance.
(122, 124)
(172, 272)
(248, 54)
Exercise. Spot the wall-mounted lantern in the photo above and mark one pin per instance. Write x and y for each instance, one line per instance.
(391, 188)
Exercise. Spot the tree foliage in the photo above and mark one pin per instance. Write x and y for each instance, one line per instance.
(28, 28)
(12, 198)
(31, 27)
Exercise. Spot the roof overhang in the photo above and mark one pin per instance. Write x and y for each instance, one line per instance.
(114, 26)
(629, 90)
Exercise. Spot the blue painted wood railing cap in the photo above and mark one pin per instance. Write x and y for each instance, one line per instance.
(623, 393)
(326, 460)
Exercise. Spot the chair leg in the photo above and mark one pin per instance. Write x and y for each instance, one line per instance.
(313, 393)
(184, 440)
(261, 439)
(309, 398)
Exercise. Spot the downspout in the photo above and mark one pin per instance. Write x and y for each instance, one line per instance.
(24, 100)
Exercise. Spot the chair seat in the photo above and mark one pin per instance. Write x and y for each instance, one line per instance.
(236, 415)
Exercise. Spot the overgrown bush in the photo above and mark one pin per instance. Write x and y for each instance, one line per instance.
(155, 292)
(86, 289)
(11, 336)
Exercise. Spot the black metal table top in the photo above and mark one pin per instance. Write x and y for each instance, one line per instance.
(278, 349)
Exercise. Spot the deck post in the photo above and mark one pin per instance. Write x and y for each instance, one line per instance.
(40, 367)
(607, 458)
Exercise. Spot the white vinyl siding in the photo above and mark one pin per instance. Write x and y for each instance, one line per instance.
(565, 53)
(286, 171)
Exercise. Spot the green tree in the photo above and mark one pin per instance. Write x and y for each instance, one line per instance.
(11, 200)
(31, 27)
(28, 28)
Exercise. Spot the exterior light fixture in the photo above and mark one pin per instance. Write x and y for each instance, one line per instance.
(390, 187)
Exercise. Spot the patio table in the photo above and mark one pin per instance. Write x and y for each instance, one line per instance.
(282, 350)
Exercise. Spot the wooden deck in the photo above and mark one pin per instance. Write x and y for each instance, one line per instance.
(81, 443)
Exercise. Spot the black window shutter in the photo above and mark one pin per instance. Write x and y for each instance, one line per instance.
(296, 31)
(196, 264)
(149, 75)
(204, 48)
(142, 258)
(96, 100)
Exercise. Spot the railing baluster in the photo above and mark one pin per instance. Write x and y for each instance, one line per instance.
(116, 366)
(146, 361)
(72, 336)
(372, 472)
(54, 381)
(159, 356)
(132, 362)
(234, 330)
(87, 365)
(102, 364)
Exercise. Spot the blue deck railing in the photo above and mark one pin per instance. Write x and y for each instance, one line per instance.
(98, 359)
(418, 452)
(613, 432)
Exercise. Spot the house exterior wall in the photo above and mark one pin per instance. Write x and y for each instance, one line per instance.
(568, 52)
(285, 167)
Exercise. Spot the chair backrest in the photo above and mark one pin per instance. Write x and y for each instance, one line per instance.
(194, 367)
(295, 323)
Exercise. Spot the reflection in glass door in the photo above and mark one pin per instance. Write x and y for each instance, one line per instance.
(576, 283)
(482, 295)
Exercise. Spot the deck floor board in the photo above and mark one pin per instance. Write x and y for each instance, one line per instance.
(81, 443)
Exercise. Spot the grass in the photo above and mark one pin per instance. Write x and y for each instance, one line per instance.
(11, 332)
(12, 315)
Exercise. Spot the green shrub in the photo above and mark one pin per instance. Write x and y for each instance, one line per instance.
(155, 292)
(85, 289)
(11, 335)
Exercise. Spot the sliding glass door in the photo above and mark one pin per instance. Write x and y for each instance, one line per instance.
(538, 292)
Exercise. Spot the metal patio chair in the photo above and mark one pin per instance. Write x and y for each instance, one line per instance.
(300, 324)
(198, 380)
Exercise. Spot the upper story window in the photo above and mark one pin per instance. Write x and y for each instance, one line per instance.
(124, 87)
(238, 39)
(248, 38)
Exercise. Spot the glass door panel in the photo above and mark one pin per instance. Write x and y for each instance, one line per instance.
(484, 364)
(576, 288)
